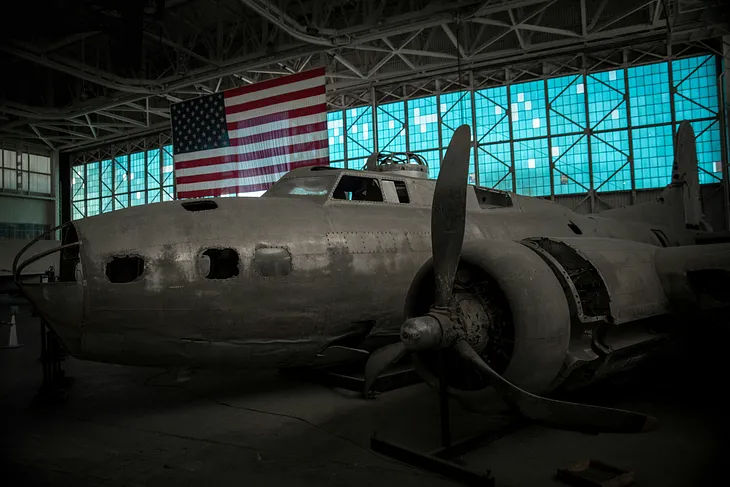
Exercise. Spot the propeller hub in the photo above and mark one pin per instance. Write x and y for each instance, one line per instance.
(421, 333)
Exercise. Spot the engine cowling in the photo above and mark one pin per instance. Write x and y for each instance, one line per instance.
(504, 292)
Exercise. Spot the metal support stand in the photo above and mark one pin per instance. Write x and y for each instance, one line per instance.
(55, 382)
(53, 354)
(441, 461)
(351, 377)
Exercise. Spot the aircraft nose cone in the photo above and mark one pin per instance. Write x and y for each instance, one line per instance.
(421, 333)
(61, 304)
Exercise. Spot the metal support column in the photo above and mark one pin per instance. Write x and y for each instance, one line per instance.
(405, 119)
(438, 119)
(723, 115)
(672, 89)
(551, 165)
(346, 162)
(374, 108)
(475, 139)
(588, 133)
(508, 80)
(630, 135)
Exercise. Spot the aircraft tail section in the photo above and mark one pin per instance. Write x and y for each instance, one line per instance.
(685, 175)
(680, 203)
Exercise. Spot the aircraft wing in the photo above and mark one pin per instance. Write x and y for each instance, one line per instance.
(695, 276)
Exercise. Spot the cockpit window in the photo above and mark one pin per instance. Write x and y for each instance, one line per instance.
(311, 186)
(357, 188)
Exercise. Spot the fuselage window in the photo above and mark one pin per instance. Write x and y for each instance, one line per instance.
(661, 237)
(124, 269)
(490, 199)
(219, 263)
(395, 191)
(308, 186)
(272, 261)
(356, 188)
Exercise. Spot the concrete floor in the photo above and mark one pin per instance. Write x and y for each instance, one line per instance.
(125, 426)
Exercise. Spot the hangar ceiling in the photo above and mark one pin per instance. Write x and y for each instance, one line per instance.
(99, 71)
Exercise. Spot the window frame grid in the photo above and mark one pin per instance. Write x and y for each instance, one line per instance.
(618, 98)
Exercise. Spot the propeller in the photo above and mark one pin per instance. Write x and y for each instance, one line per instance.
(438, 330)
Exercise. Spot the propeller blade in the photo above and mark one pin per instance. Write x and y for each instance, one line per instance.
(380, 360)
(448, 213)
(560, 414)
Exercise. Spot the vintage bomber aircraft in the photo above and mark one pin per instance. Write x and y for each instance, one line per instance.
(326, 258)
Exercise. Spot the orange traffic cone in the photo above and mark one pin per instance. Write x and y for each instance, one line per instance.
(13, 336)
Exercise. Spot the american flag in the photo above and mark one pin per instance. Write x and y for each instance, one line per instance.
(245, 139)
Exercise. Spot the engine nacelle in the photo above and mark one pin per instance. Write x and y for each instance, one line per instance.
(566, 303)
(536, 308)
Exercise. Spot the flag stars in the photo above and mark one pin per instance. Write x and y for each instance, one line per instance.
(200, 124)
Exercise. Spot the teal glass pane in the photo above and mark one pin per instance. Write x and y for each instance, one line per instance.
(606, 101)
(611, 166)
(167, 166)
(340, 164)
(490, 106)
(392, 127)
(107, 183)
(168, 194)
(107, 205)
(359, 123)
(653, 156)
(709, 150)
(78, 210)
(455, 111)
(695, 80)
(527, 110)
(356, 164)
(432, 159)
(121, 182)
(336, 139)
(566, 96)
(78, 178)
(532, 167)
(495, 162)
(121, 176)
(423, 131)
(137, 172)
(137, 198)
(92, 188)
(569, 155)
(93, 207)
(649, 94)
(153, 169)
(153, 196)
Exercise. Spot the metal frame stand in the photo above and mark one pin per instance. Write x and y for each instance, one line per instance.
(52, 356)
(55, 382)
(351, 378)
(442, 460)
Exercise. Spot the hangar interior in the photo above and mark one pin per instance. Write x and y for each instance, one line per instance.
(574, 101)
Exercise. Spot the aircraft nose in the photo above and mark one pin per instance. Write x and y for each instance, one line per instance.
(61, 305)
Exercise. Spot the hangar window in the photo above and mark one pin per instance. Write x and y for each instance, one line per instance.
(219, 263)
(124, 269)
(358, 188)
(200, 205)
